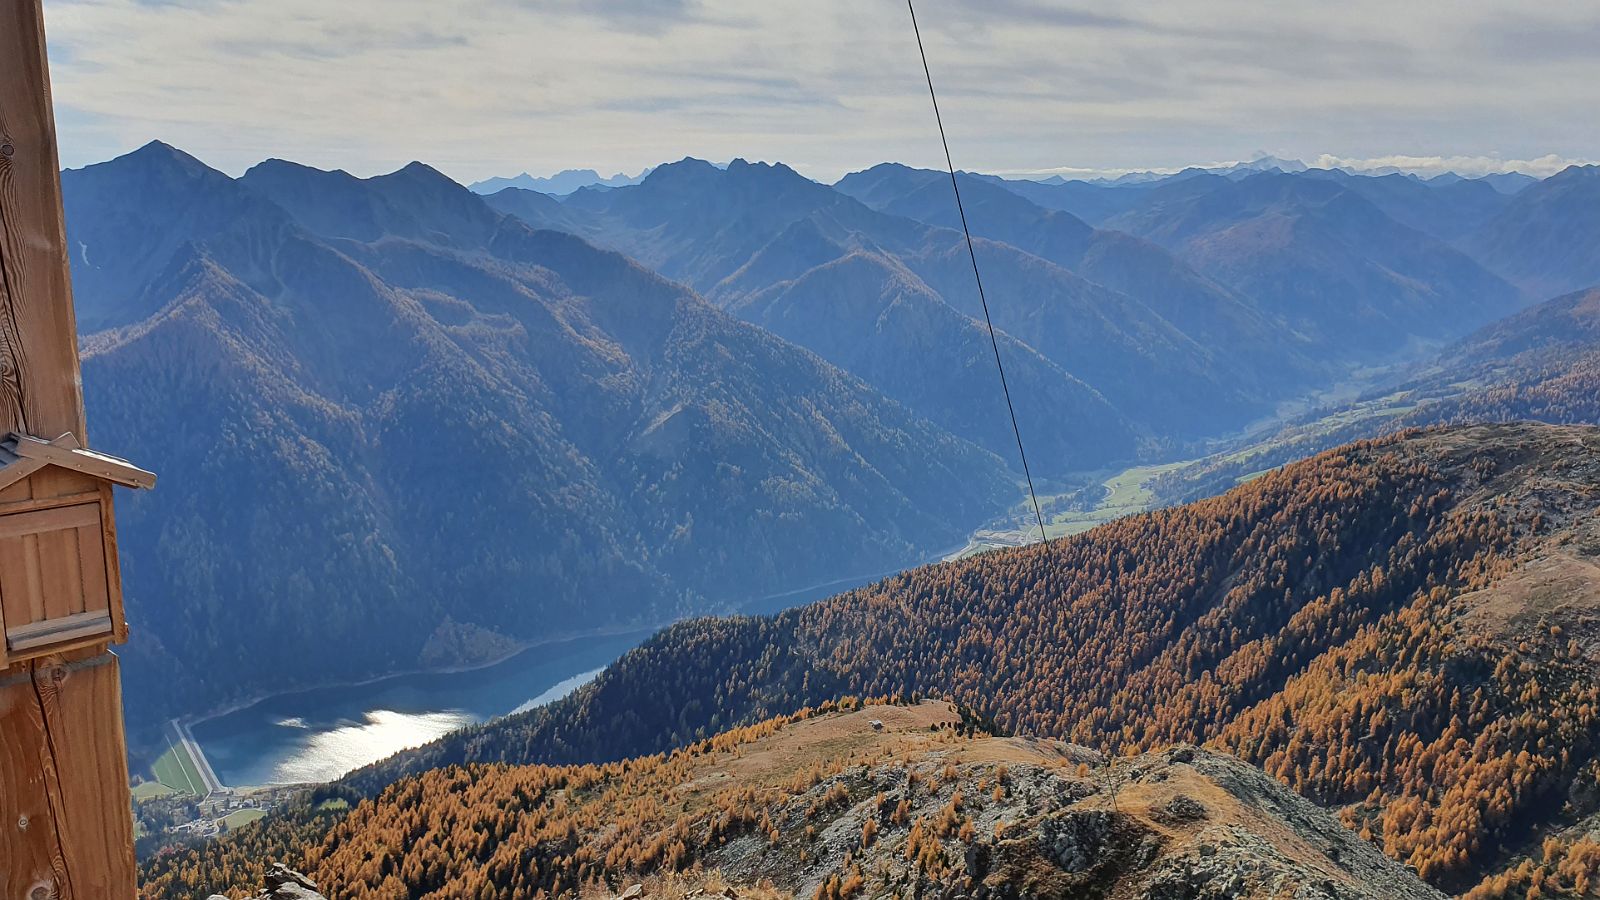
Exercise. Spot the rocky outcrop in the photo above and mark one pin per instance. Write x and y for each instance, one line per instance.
(855, 803)
(283, 883)
(1004, 818)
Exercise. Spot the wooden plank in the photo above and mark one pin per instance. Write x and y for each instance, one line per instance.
(60, 575)
(98, 641)
(91, 495)
(43, 520)
(108, 533)
(14, 599)
(29, 845)
(92, 571)
(32, 578)
(15, 492)
(81, 695)
(14, 474)
(54, 481)
(39, 375)
(67, 629)
(67, 747)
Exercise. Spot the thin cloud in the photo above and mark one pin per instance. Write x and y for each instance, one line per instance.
(505, 86)
(1425, 166)
(1541, 167)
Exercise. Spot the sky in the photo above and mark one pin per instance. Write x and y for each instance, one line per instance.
(479, 88)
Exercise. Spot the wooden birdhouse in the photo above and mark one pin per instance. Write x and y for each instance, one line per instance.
(59, 586)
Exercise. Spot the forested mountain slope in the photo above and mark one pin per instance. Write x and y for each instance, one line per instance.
(1165, 351)
(1547, 239)
(947, 369)
(1323, 258)
(1214, 316)
(876, 800)
(1448, 210)
(400, 424)
(1541, 364)
(1404, 630)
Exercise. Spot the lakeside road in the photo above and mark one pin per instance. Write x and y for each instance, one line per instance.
(202, 766)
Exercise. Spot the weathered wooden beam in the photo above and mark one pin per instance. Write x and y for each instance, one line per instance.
(66, 830)
(39, 381)
(94, 623)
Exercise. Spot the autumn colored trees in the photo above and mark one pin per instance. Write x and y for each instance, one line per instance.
(1316, 621)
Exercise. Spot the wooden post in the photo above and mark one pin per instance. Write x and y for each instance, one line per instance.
(66, 830)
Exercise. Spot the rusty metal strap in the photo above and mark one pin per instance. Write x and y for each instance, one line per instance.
(76, 665)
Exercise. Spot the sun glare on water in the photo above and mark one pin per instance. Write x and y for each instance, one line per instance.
(383, 732)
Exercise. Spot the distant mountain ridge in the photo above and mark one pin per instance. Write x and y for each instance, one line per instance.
(1323, 257)
(564, 182)
(1198, 304)
(1207, 312)
(753, 227)
(1267, 163)
(1547, 239)
(1505, 182)
(392, 406)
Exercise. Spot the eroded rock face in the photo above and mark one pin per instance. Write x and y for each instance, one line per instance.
(1074, 852)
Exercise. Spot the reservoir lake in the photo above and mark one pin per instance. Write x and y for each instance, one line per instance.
(320, 734)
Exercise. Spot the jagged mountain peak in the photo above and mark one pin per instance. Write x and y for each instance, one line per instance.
(157, 162)
(1574, 172)
(161, 151)
(416, 202)
(421, 171)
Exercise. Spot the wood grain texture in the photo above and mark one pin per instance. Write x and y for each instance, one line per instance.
(42, 521)
(16, 472)
(45, 520)
(54, 482)
(92, 559)
(81, 697)
(58, 631)
(32, 578)
(113, 568)
(19, 491)
(16, 600)
(53, 566)
(29, 844)
(66, 828)
(39, 380)
(92, 495)
(60, 573)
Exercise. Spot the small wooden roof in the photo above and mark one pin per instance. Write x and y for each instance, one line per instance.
(21, 456)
